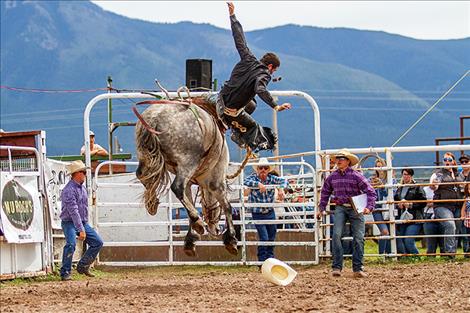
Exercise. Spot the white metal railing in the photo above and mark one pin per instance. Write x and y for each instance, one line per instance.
(302, 217)
(388, 203)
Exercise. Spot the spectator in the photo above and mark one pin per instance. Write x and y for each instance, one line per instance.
(414, 210)
(465, 162)
(445, 190)
(260, 194)
(464, 176)
(380, 178)
(345, 183)
(465, 213)
(95, 149)
(74, 218)
(430, 227)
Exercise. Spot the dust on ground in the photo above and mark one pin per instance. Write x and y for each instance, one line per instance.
(423, 287)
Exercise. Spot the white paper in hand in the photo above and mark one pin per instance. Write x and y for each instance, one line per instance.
(359, 203)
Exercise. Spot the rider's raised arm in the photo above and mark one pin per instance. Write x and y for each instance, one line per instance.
(261, 90)
(239, 38)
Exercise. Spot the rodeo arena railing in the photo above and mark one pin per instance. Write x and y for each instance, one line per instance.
(166, 228)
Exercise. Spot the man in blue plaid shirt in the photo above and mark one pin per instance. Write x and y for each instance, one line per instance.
(258, 193)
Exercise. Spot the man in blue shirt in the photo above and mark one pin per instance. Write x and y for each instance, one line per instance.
(258, 193)
(74, 218)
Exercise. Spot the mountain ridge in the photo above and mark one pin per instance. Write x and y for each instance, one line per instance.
(76, 45)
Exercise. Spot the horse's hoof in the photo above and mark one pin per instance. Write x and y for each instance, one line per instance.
(232, 248)
(198, 226)
(190, 251)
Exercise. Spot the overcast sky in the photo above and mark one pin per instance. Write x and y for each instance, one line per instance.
(417, 19)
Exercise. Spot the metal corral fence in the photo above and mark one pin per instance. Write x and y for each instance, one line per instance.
(388, 205)
(126, 225)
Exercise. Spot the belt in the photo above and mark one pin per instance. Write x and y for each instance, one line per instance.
(347, 205)
(232, 112)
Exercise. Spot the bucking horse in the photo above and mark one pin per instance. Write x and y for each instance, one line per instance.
(180, 137)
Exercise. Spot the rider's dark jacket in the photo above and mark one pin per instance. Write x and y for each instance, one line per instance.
(249, 76)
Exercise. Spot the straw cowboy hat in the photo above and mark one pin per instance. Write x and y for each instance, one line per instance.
(263, 162)
(345, 153)
(278, 272)
(76, 166)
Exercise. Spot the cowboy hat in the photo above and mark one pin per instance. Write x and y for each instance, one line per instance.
(263, 162)
(76, 166)
(353, 159)
(277, 272)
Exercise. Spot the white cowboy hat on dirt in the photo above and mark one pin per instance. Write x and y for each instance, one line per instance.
(278, 272)
(346, 154)
(76, 166)
(263, 162)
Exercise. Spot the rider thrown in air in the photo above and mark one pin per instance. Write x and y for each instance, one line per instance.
(249, 78)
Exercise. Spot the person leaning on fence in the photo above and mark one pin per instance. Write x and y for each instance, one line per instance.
(380, 179)
(409, 211)
(74, 218)
(95, 149)
(345, 183)
(446, 187)
(258, 193)
(249, 78)
(465, 213)
(430, 227)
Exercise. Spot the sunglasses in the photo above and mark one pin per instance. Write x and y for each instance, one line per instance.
(263, 168)
(464, 161)
(448, 159)
(341, 158)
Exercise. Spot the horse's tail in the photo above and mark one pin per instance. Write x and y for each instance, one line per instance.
(153, 175)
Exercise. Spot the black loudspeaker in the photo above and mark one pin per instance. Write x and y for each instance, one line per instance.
(199, 74)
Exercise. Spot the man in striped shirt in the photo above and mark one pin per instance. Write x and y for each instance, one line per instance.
(258, 193)
(343, 184)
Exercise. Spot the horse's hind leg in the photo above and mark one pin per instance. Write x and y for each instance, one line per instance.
(189, 242)
(182, 189)
(229, 236)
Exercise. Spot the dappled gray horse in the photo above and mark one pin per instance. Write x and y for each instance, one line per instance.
(184, 139)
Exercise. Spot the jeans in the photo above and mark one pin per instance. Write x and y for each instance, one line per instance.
(433, 228)
(266, 232)
(384, 244)
(342, 214)
(407, 245)
(347, 244)
(93, 241)
(448, 228)
(466, 240)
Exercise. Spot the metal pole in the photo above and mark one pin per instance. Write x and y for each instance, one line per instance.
(110, 122)
(275, 130)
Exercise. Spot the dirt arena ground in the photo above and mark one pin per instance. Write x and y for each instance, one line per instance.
(396, 287)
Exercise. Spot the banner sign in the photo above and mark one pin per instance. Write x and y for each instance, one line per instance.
(55, 175)
(21, 213)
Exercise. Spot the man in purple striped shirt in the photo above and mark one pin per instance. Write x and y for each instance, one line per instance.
(343, 184)
(74, 218)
